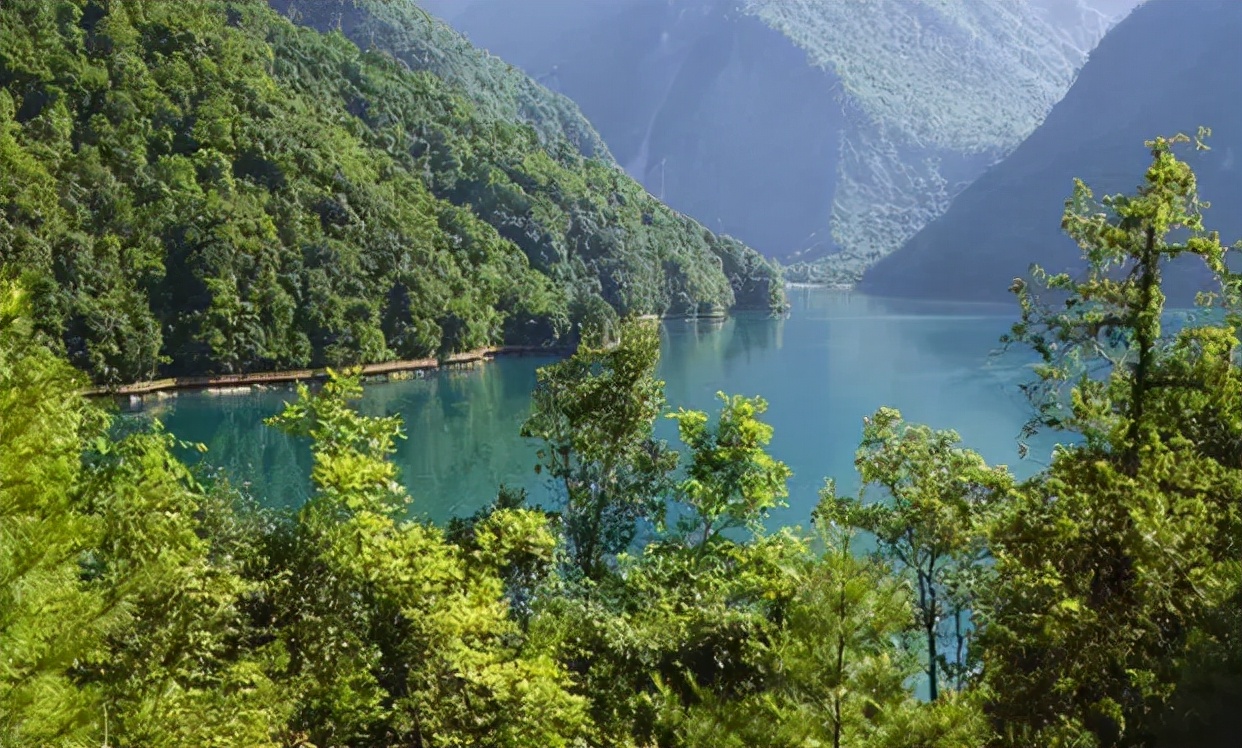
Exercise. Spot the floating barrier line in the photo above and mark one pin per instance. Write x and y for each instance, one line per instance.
(248, 379)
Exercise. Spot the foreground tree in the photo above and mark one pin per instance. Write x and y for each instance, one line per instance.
(1099, 338)
(828, 665)
(1108, 564)
(830, 672)
(679, 620)
(393, 634)
(118, 625)
(43, 533)
(178, 671)
(595, 413)
(928, 522)
(731, 480)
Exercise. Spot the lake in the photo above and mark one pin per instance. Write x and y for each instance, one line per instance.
(833, 360)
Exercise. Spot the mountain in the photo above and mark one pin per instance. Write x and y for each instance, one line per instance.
(711, 109)
(934, 93)
(1169, 67)
(498, 92)
(805, 128)
(208, 187)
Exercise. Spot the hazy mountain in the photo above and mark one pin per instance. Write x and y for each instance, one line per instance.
(800, 126)
(934, 93)
(707, 106)
(1169, 67)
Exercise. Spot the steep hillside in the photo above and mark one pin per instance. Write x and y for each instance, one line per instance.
(1168, 67)
(502, 94)
(843, 133)
(497, 91)
(708, 107)
(934, 94)
(208, 188)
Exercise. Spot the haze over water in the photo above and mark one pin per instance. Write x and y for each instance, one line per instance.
(836, 358)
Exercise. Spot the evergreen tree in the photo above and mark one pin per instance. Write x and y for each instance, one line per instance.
(1109, 562)
(833, 670)
(595, 414)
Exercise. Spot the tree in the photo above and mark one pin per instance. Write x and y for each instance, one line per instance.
(1099, 576)
(837, 648)
(595, 413)
(392, 633)
(1109, 564)
(929, 520)
(43, 534)
(682, 617)
(828, 666)
(177, 671)
(731, 480)
(1104, 341)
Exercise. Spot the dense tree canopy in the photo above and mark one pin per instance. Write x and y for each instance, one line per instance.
(141, 604)
(206, 187)
(1113, 566)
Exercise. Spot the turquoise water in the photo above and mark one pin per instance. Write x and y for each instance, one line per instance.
(836, 358)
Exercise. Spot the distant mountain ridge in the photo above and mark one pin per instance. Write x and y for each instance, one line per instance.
(1169, 67)
(712, 110)
(934, 93)
(772, 120)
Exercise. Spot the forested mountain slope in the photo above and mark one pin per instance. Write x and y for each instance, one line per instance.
(933, 93)
(804, 127)
(497, 90)
(1169, 67)
(206, 187)
(707, 106)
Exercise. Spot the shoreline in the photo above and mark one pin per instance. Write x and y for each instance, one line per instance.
(232, 384)
(237, 384)
(831, 286)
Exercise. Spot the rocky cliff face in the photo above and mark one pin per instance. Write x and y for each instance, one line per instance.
(807, 128)
(1169, 67)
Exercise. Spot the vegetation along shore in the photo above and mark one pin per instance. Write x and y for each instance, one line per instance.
(235, 193)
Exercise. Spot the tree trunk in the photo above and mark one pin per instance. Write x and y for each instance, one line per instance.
(1145, 333)
(927, 604)
(836, 705)
(960, 654)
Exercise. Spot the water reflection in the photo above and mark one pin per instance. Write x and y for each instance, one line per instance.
(840, 356)
(836, 358)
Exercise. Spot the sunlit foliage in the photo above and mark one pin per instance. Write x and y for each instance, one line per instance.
(206, 187)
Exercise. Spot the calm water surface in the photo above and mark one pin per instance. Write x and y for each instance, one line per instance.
(836, 358)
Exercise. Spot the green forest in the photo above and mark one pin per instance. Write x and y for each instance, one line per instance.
(207, 187)
(946, 605)
(219, 187)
